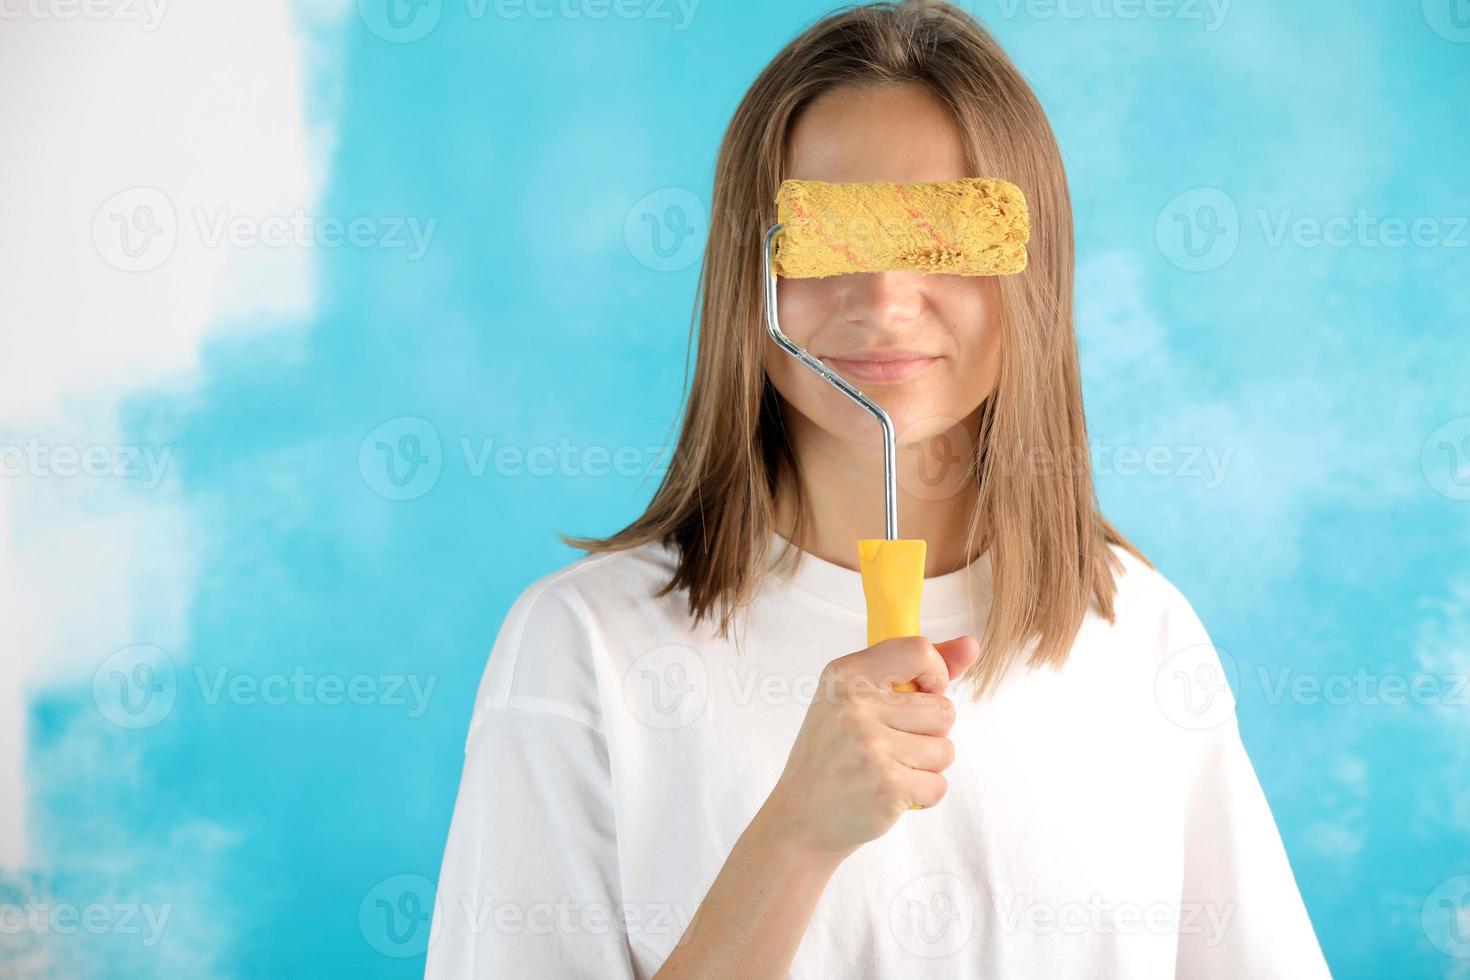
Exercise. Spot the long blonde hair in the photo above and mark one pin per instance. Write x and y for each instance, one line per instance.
(1048, 543)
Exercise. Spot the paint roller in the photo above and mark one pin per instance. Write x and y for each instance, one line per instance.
(970, 227)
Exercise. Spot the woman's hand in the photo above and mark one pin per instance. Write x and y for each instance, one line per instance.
(866, 753)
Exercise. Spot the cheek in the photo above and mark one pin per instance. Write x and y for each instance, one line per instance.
(971, 308)
(803, 305)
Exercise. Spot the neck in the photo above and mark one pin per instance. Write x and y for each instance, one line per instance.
(843, 488)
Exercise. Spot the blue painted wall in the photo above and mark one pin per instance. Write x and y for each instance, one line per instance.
(1238, 172)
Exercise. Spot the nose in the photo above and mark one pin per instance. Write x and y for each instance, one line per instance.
(879, 298)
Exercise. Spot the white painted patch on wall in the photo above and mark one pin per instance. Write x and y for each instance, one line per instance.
(130, 128)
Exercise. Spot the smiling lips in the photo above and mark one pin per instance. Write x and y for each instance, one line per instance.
(885, 364)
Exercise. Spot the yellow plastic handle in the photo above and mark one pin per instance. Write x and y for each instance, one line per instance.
(893, 581)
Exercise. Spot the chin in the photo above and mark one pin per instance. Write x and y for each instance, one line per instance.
(915, 419)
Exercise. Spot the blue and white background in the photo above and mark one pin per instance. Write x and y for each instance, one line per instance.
(321, 318)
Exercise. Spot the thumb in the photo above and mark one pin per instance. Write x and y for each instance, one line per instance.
(958, 654)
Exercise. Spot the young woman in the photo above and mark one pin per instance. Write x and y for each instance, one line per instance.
(683, 763)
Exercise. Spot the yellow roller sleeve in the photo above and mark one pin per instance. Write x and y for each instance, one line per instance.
(893, 580)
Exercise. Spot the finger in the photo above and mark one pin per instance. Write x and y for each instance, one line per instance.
(923, 789)
(901, 659)
(932, 753)
(958, 654)
(919, 712)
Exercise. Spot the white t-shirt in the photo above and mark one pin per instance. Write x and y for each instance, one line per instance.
(1102, 820)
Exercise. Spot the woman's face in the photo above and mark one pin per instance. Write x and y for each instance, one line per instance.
(925, 347)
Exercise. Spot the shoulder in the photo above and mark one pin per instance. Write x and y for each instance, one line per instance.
(1157, 644)
(597, 593)
(559, 634)
(1148, 606)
